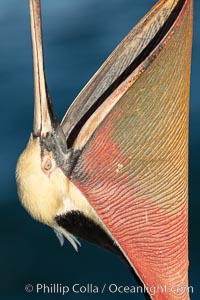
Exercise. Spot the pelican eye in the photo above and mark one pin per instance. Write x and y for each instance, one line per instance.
(48, 165)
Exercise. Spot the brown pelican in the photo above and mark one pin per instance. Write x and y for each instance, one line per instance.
(115, 171)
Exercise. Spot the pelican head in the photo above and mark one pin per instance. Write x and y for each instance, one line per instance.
(42, 184)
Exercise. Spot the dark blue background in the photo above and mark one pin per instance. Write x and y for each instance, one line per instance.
(78, 36)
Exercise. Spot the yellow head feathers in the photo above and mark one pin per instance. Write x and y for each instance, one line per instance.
(42, 186)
